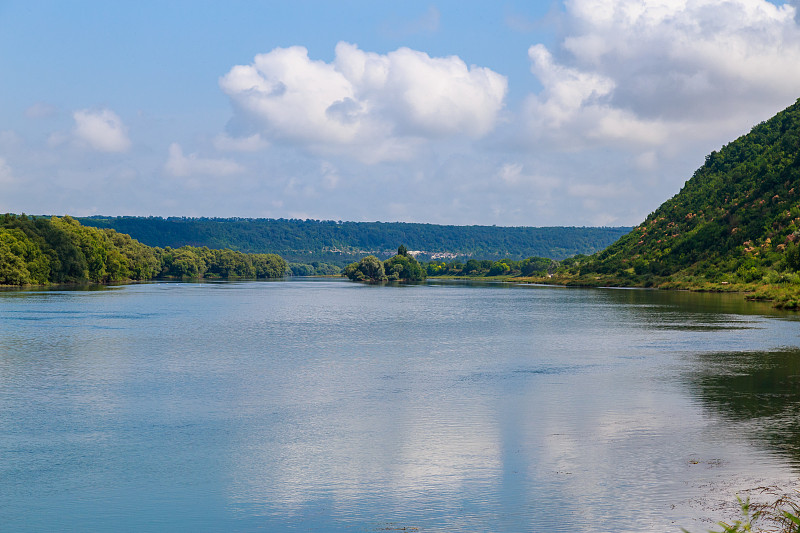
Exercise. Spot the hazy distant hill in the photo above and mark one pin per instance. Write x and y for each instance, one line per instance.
(735, 221)
(342, 242)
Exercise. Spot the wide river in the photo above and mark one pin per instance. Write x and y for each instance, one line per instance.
(326, 405)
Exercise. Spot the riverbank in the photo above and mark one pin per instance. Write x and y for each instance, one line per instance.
(780, 295)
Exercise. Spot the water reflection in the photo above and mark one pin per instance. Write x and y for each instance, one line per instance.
(758, 392)
(693, 303)
(320, 404)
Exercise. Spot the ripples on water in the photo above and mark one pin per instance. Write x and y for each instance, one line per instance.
(328, 405)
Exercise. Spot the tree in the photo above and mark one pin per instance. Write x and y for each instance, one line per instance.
(13, 270)
(404, 267)
(499, 269)
(473, 266)
(369, 268)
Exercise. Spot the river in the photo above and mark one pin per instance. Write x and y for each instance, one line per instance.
(326, 405)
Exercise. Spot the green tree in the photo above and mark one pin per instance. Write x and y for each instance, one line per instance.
(13, 270)
(22, 258)
(370, 268)
(472, 267)
(404, 267)
(499, 269)
(269, 266)
(792, 257)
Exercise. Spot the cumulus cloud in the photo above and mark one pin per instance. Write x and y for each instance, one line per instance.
(180, 165)
(572, 98)
(637, 72)
(101, 130)
(371, 106)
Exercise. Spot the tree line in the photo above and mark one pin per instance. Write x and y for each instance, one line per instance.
(403, 266)
(53, 250)
(531, 266)
(339, 243)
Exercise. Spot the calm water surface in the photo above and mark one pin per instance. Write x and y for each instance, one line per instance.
(326, 405)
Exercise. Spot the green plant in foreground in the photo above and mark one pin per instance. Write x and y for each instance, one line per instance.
(738, 525)
(782, 521)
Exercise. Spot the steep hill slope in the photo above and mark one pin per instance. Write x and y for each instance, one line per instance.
(734, 222)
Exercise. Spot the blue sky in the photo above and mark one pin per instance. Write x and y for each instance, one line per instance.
(583, 112)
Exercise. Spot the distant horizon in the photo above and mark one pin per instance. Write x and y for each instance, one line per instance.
(181, 217)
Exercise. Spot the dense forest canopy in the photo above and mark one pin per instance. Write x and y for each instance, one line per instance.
(40, 251)
(307, 241)
(737, 220)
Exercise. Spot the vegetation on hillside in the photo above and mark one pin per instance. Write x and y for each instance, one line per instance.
(339, 243)
(735, 223)
(41, 251)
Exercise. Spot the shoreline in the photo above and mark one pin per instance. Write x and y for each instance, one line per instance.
(780, 296)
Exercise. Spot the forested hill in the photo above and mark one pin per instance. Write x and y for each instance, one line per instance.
(735, 221)
(343, 242)
(44, 250)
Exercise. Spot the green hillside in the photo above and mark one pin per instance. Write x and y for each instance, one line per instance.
(343, 242)
(734, 223)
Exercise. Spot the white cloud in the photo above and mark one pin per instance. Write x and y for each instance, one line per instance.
(575, 105)
(101, 130)
(371, 106)
(638, 73)
(180, 165)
